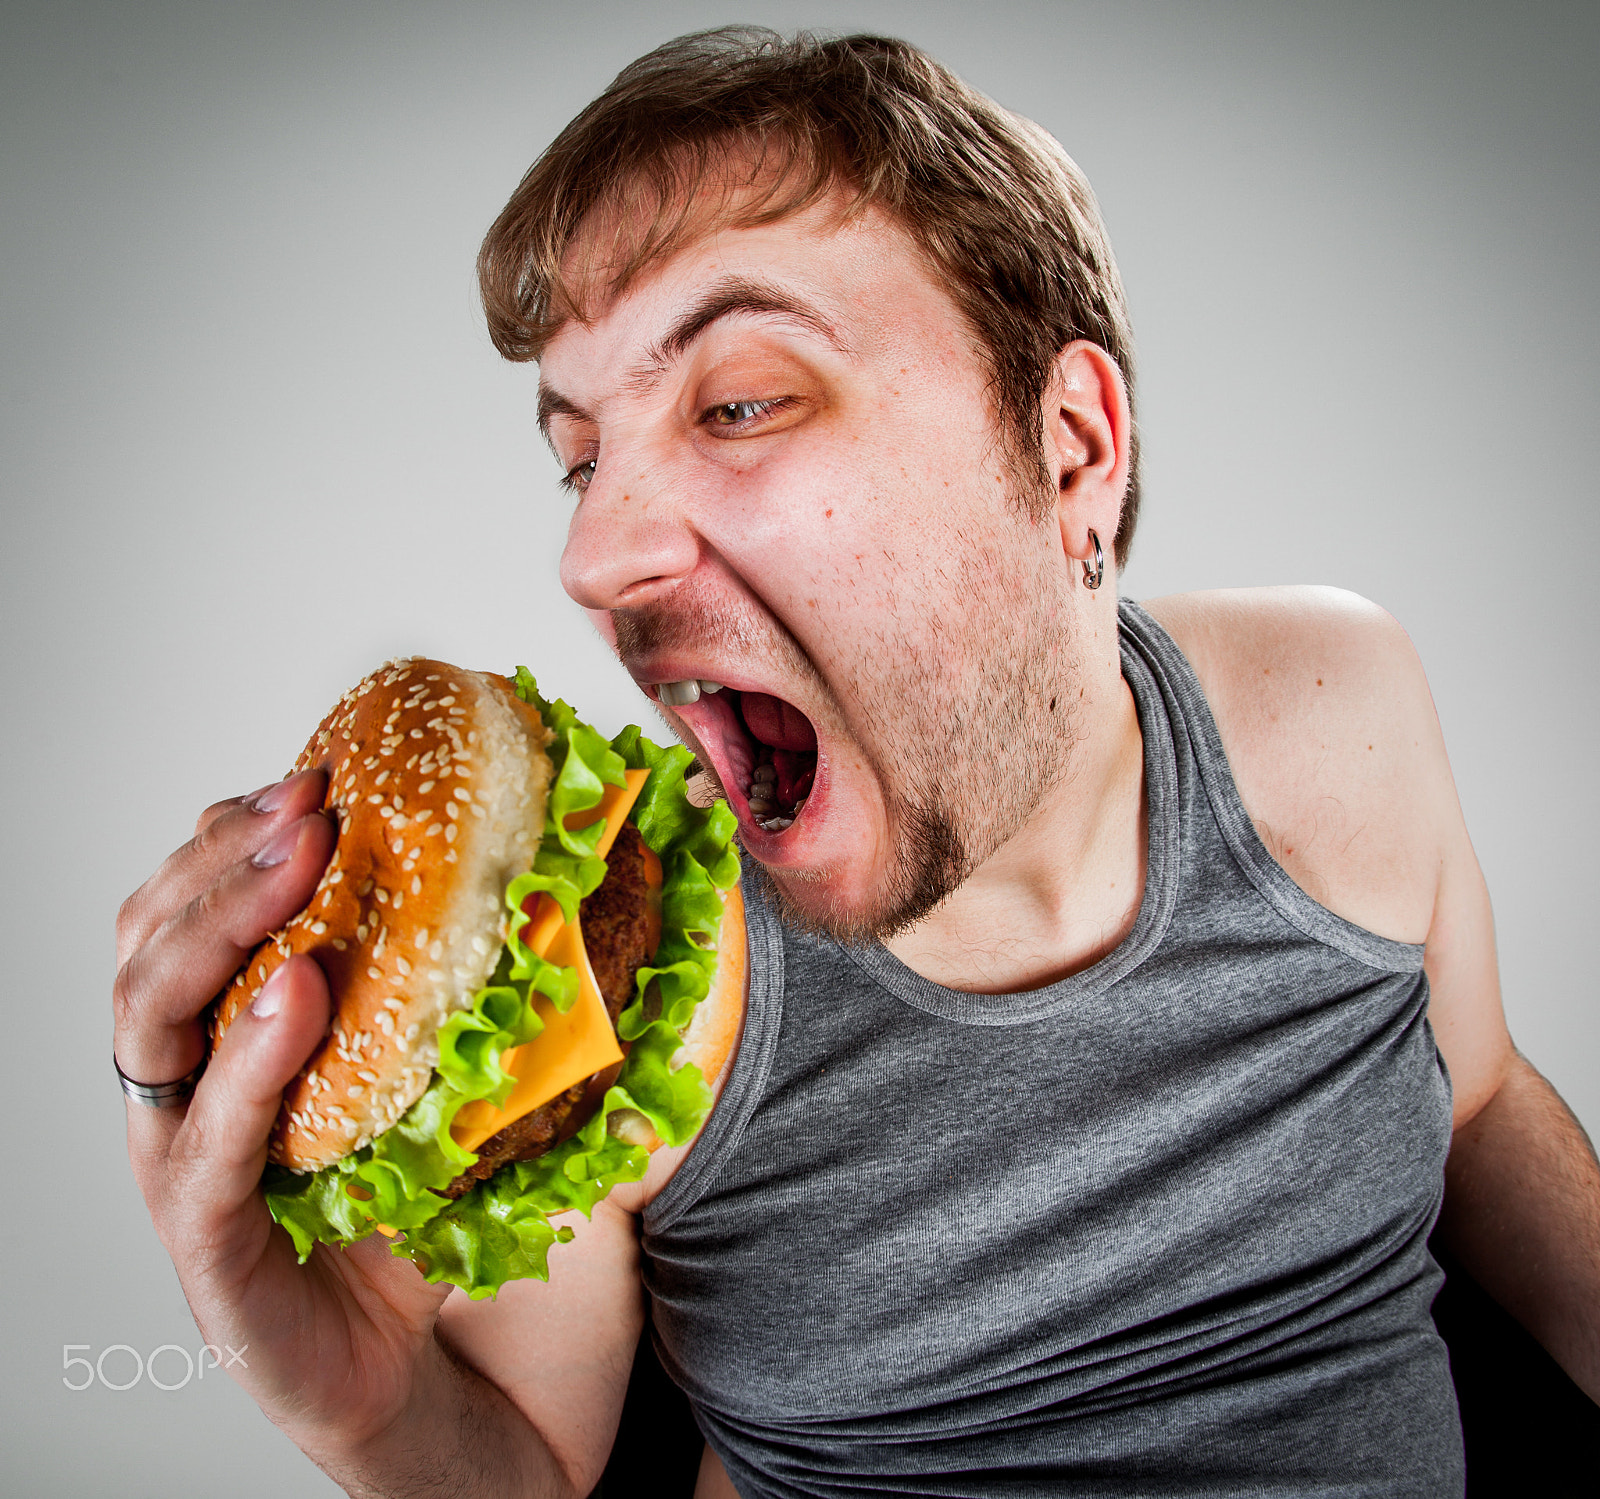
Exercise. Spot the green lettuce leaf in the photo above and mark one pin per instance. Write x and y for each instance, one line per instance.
(500, 1230)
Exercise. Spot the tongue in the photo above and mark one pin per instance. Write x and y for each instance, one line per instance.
(775, 723)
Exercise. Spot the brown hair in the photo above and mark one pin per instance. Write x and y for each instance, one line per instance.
(1004, 216)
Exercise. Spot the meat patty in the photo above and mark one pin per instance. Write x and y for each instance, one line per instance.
(615, 933)
(615, 922)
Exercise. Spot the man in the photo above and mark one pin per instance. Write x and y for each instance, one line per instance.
(1087, 1124)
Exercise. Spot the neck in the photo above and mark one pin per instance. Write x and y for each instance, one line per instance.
(1065, 889)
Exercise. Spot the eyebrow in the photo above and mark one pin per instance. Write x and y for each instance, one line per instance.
(733, 296)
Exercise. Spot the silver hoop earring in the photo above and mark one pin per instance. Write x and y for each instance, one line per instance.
(1094, 576)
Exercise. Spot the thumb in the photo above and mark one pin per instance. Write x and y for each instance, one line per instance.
(219, 1153)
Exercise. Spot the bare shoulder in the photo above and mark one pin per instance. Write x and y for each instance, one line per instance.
(1329, 727)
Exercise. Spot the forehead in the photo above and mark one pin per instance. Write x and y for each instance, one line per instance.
(858, 282)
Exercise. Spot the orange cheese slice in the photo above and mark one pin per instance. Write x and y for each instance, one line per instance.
(545, 920)
(573, 1046)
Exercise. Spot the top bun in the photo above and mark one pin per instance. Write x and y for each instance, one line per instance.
(438, 778)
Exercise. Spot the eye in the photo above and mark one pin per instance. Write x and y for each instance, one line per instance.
(577, 479)
(730, 416)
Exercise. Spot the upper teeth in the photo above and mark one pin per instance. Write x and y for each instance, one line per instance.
(680, 694)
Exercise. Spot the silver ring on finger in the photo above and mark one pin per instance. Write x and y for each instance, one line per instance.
(171, 1095)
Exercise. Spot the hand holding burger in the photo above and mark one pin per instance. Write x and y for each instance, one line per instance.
(621, 888)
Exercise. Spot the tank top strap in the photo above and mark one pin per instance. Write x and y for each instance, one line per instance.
(1195, 732)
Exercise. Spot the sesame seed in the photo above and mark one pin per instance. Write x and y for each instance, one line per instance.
(450, 837)
(425, 787)
(374, 972)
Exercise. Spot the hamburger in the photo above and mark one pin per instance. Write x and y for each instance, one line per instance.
(534, 944)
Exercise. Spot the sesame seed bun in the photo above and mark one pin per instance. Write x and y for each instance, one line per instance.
(438, 779)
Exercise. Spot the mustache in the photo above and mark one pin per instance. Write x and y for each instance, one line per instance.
(693, 621)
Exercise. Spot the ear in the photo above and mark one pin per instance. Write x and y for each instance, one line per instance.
(1088, 432)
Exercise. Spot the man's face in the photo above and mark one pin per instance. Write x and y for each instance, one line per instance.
(790, 482)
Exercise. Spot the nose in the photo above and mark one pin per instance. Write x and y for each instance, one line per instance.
(629, 542)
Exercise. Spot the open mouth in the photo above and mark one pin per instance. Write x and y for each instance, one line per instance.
(765, 747)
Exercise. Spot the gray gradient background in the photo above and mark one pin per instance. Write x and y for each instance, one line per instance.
(256, 440)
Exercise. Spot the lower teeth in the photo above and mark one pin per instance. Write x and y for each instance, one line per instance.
(765, 809)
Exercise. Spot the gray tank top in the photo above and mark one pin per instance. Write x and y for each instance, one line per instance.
(1159, 1228)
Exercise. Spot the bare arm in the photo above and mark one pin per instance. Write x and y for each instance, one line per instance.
(1522, 1187)
(349, 1353)
(1522, 1214)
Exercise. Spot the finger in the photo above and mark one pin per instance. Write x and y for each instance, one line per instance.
(253, 800)
(162, 989)
(226, 833)
(212, 1202)
(386, 1283)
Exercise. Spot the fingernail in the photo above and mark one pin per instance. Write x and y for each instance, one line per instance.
(281, 849)
(270, 1000)
(270, 798)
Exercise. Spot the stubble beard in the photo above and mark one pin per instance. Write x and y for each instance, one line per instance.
(978, 726)
(976, 745)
